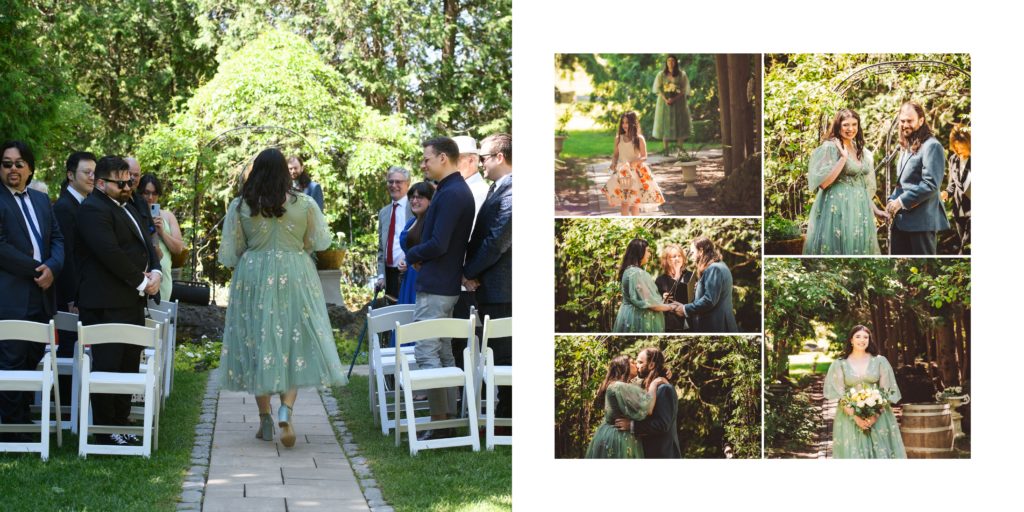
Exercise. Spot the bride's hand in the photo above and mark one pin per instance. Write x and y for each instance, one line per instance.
(657, 382)
(882, 214)
(849, 411)
(843, 153)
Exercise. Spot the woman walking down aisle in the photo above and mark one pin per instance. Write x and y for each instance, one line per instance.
(277, 336)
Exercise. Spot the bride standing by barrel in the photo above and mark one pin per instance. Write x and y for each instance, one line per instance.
(860, 367)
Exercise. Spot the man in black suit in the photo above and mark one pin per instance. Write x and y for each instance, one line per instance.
(119, 269)
(80, 170)
(31, 255)
(659, 432)
(488, 270)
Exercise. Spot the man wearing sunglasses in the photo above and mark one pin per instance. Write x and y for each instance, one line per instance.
(119, 270)
(31, 256)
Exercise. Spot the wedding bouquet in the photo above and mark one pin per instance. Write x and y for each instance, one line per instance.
(669, 88)
(866, 402)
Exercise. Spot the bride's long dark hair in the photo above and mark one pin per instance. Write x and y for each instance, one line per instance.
(618, 371)
(268, 185)
(848, 348)
(837, 126)
(634, 255)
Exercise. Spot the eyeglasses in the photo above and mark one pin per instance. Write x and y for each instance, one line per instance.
(20, 164)
(120, 183)
(421, 198)
(485, 156)
(395, 182)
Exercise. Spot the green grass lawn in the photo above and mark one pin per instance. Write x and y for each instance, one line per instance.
(450, 479)
(595, 143)
(105, 482)
(803, 363)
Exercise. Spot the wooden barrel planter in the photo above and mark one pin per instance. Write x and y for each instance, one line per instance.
(794, 246)
(927, 431)
(330, 259)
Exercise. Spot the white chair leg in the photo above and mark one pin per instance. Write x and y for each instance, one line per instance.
(76, 384)
(491, 403)
(147, 417)
(44, 418)
(398, 411)
(410, 413)
(470, 395)
(84, 414)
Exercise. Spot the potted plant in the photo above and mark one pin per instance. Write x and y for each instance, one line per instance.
(332, 257)
(782, 236)
(689, 160)
(560, 132)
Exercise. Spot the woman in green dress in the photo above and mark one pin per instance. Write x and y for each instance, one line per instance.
(620, 399)
(277, 337)
(671, 112)
(642, 305)
(842, 177)
(853, 437)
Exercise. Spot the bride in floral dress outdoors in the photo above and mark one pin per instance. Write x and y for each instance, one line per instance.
(631, 185)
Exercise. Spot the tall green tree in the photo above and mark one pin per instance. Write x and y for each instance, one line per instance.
(445, 64)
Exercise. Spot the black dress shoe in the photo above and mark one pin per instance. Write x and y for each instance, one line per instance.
(438, 433)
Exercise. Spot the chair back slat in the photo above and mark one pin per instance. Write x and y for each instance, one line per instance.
(117, 333)
(495, 328)
(35, 332)
(436, 328)
(66, 321)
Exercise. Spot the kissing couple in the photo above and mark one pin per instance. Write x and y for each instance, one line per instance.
(640, 409)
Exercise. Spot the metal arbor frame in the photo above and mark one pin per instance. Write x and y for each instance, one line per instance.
(197, 196)
(899, 67)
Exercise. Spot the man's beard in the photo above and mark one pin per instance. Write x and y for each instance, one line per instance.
(916, 137)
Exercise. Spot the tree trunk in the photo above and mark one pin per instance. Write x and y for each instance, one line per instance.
(945, 346)
(451, 17)
(725, 123)
(965, 321)
(739, 74)
(758, 104)
(958, 342)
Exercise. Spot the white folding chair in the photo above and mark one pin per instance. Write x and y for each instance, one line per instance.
(382, 359)
(65, 366)
(171, 308)
(42, 381)
(167, 351)
(494, 376)
(408, 380)
(119, 383)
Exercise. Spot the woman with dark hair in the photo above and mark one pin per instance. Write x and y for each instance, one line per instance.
(672, 283)
(277, 337)
(860, 367)
(842, 177)
(671, 112)
(302, 182)
(642, 306)
(711, 309)
(631, 184)
(419, 200)
(959, 188)
(621, 399)
(168, 233)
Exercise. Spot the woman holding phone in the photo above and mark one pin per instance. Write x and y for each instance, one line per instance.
(168, 232)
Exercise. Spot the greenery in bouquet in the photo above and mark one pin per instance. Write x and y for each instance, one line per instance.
(866, 402)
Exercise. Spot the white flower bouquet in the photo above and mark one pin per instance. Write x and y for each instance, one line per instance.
(866, 402)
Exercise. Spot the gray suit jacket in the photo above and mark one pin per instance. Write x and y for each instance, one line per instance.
(711, 309)
(383, 221)
(920, 176)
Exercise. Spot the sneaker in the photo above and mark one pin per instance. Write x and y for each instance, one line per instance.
(118, 439)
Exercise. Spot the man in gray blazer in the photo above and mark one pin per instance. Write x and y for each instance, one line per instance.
(915, 204)
(391, 221)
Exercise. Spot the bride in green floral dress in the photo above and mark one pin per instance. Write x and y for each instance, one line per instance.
(853, 437)
(621, 399)
(277, 337)
(842, 177)
(642, 305)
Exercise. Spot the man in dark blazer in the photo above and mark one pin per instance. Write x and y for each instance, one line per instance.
(31, 256)
(915, 205)
(659, 432)
(488, 269)
(80, 170)
(119, 270)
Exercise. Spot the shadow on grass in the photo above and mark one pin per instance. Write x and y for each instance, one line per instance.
(105, 482)
(450, 479)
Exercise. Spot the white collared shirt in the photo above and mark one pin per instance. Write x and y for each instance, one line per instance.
(75, 194)
(396, 249)
(37, 253)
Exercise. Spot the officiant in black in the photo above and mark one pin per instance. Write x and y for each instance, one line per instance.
(673, 284)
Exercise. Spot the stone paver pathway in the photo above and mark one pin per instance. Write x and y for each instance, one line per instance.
(250, 475)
